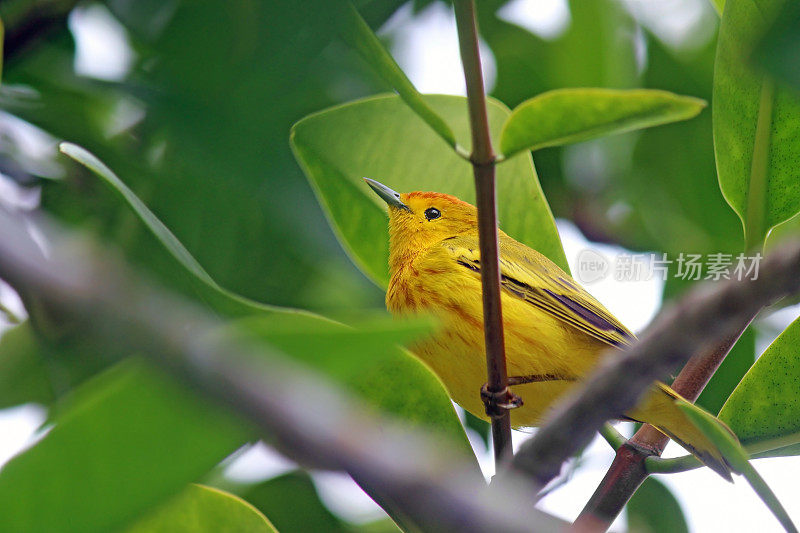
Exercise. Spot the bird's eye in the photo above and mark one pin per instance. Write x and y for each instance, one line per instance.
(432, 213)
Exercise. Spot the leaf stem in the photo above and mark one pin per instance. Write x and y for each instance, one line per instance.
(483, 164)
(657, 465)
(612, 436)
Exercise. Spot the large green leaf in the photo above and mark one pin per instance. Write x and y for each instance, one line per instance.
(756, 126)
(358, 34)
(764, 409)
(654, 509)
(381, 138)
(125, 441)
(564, 116)
(201, 509)
(221, 297)
(368, 361)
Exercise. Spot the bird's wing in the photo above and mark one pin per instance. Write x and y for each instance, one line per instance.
(532, 277)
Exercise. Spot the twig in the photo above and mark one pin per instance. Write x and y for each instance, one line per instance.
(483, 165)
(421, 477)
(702, 319)
(613, 437)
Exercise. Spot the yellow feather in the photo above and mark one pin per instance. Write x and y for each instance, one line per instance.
(551, 324)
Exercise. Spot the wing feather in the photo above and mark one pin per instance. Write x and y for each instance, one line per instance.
(530, 276)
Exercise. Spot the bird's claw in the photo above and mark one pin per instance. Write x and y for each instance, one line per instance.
(498, 403)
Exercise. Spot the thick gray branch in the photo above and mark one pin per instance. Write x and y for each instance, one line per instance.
(421, 478)
(697, 323)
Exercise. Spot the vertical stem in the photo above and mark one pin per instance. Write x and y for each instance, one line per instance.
(483, 164)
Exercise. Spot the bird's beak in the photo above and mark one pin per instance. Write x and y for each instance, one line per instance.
(388, 195)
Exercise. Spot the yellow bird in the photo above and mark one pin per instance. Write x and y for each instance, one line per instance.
(555, 331)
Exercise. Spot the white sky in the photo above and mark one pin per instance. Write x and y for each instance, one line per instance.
(426, 47)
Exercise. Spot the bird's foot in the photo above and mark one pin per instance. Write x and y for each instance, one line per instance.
(498, 403)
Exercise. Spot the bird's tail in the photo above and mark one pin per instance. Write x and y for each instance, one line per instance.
(660, 409)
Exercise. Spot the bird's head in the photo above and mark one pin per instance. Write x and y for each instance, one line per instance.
(419, 219)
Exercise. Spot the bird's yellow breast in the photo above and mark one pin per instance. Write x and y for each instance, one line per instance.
(536, 342)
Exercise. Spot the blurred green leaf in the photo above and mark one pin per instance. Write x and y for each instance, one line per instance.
(730, 373)
(357, 34)
(764, 409)
(594, 50)
(209, 157)
(756, 126)
(387, 142)
(230, 301)
(654, 509)
(367, 359)
(35, 369)
(292, 504)
(201, 509)
(777, 48)
(23, 372)
(124, 441)
(719, 6)
(564, 116)
(738, 459)
(674, 163)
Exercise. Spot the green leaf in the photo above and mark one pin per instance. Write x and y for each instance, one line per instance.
(730, 373)
(738, 459)
(565, 116)
(381, 138)
(756, 127)
(201, 509)
(223, 298)
(126, 440)
(654, 509)
(764, 409)
(368, 361)
(292, 504)
(358, 34)
(692, 215)
(776, 51)
(719, 6)
(35, 369)
(24, 375)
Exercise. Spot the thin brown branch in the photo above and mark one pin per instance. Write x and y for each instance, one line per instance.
(483, 159)
(421, 477)
(703, 319)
